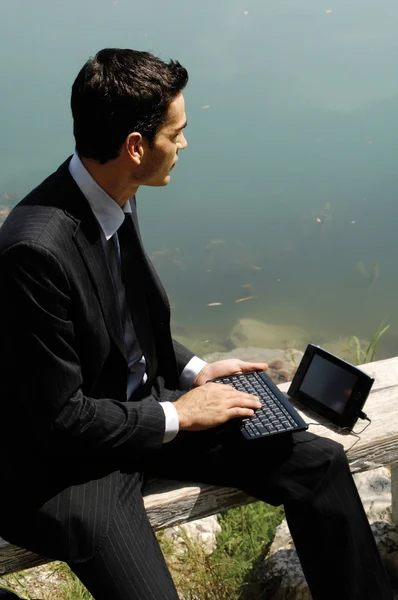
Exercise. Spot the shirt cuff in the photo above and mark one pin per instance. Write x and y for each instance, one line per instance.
(172, 424)
(190, 371)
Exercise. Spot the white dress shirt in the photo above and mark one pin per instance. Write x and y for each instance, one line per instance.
(110, 216)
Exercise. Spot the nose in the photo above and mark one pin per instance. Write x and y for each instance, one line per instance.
(183, 142)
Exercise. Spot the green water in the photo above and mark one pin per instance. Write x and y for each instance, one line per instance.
(289, 179)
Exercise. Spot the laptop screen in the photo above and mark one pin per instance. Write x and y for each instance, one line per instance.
(328, 383)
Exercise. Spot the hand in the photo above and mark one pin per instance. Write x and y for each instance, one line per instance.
(212, 404)
(221, 368)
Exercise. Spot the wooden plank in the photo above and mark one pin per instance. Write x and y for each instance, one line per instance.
(172, 503)
(188, 502)
(14, 559)
(385, 372)
(381, 407)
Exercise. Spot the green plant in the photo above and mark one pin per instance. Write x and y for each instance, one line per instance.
(364, 355)
(14, 582)
(70, 587)
(54, 581)
(226, 574)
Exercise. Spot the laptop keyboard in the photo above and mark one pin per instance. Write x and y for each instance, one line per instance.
(272, 417)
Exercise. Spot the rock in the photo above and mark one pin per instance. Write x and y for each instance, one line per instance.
(386, 536)
(374, 487)
(255, 353)
(281, 575)
(250, 332)
(202, 531)
(281, 371)
(391, 563)
(282, 364)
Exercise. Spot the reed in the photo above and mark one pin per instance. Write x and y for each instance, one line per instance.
(367, 354)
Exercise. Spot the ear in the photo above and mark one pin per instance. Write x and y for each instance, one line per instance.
(134, 146)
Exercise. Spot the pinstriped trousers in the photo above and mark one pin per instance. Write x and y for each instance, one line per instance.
(308, 474)
(129, 564)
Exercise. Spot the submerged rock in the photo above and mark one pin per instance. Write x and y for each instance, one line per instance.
(251, 332)
(282, 364)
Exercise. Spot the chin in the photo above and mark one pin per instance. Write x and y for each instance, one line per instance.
(165, 180)
(160, 183)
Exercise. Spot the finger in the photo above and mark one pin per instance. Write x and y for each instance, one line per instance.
(243, 402)
(250, 397)
(226, 388)
(240, 412)
(256, 366)
(240, 395)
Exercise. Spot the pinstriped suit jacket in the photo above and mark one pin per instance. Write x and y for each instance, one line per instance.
(65, 424)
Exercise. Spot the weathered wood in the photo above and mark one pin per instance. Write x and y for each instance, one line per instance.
(380, 438)
(171, 503)
(14, 559)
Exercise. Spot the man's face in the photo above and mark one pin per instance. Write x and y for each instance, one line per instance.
(159, 160)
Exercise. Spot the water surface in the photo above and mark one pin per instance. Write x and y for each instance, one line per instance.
(287, 191)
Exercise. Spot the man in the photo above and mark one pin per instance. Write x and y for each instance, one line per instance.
(94, 393)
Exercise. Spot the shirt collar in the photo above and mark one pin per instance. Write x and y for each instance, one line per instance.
(107, 212)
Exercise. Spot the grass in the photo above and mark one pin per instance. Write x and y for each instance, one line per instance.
(368, 353)
(52, 581)
(227, 574)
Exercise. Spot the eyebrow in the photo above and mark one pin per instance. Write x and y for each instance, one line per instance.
(181, 128)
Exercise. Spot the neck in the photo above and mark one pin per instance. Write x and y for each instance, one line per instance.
(112, 179)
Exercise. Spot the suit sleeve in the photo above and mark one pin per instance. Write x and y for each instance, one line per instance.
(40, 372)
(183, 355)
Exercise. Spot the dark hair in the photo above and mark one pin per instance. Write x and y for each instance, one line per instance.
(118, 92)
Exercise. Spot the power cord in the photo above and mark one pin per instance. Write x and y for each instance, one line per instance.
(357, 434)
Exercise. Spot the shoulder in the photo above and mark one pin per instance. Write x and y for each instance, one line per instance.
(48, 216)
(46, 226)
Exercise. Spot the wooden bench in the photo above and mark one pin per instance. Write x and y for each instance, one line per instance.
(171, 503)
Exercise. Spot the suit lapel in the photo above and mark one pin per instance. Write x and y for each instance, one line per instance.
(94, 257)
(88, 241)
